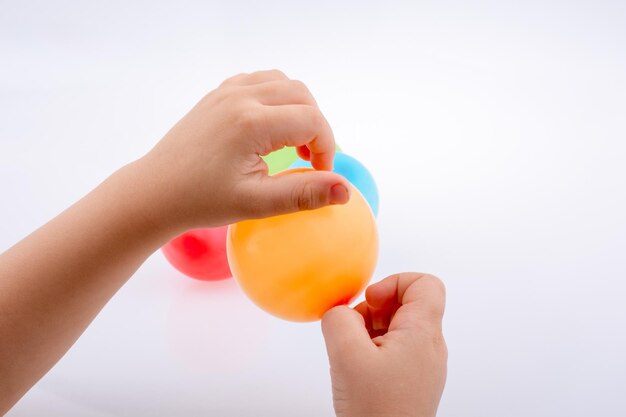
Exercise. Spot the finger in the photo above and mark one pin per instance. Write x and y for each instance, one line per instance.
(419, 299)
(382, 302)
(381, 317)
(281, 92)
(255, 78)
(301, 125)
(281, 194)
(383, 294)
(363, 309)
(345, 333)
(304, 153)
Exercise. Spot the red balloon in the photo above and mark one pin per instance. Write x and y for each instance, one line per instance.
(200, 254)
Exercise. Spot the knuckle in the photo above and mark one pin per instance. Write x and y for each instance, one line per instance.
(277, 73)
(249, 120)
(300, 88)
(220, 95)
(317, 119)
(301, 91)
(298, 85)
(435, 282)
(232, 79)
(304, 197)
(439, 345)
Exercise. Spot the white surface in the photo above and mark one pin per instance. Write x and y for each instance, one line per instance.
(495, 131)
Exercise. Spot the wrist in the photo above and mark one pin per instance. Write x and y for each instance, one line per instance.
(376, 406)
(384, 414)
(142, 198)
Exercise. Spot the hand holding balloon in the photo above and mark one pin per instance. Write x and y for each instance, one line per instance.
(207, 171)
(299, 265)
(392, 341)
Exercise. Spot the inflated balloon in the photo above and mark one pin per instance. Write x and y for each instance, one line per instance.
(297, 266)
(355, 172)
(281, 159)
(200, 254)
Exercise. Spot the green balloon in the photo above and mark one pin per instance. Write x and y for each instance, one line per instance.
(282, 159)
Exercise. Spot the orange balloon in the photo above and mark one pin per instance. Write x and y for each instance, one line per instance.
(297, 266)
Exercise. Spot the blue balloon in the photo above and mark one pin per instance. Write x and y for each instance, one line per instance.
(353, 171)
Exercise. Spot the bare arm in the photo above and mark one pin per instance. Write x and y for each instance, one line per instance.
(205, 172)
(54, 282)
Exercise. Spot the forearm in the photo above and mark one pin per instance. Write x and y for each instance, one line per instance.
(55, 281)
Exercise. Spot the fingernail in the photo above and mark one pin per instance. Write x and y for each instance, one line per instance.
(339, 194)
(378, 323)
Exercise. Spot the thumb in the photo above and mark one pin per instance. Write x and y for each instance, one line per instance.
(344, 332)
(296, 191)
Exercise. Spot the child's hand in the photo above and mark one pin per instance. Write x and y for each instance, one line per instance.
(388, 356)
(207, 171)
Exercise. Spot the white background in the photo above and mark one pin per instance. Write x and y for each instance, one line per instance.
(496, 132)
